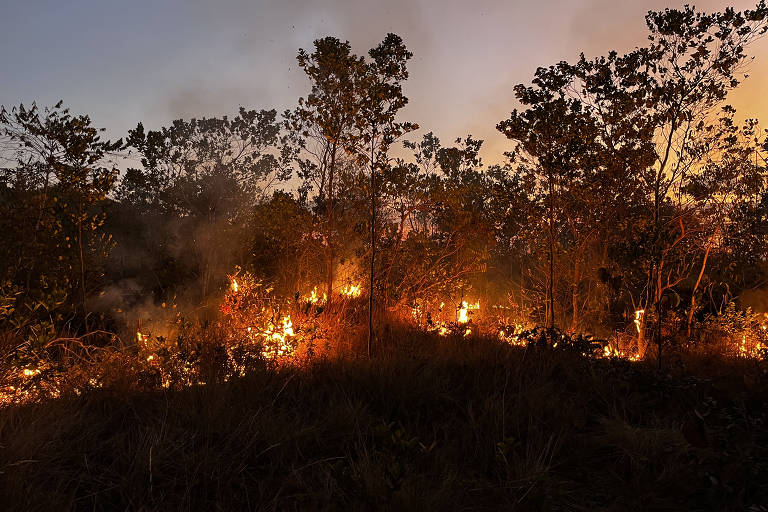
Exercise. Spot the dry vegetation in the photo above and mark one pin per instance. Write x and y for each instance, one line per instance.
(433, 423)
(274, 312)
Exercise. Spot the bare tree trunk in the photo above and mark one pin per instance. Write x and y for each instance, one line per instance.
(642, 344)
(655, 270)
(82, 262)
(550, 318)
(698, 281)
(575, 297)
(373, 249)
(659, 316)
(329, 230)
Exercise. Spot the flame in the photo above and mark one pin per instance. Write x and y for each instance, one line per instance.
(279, 336)
(463, 318)
(352, 290)
(464, 310)
(314, 298)
(262, 327)
(513, 337)
(639, 319)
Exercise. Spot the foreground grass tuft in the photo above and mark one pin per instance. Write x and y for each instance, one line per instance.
(429, 425)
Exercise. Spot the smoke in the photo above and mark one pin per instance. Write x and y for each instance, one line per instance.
(755, 299)
(165, 266)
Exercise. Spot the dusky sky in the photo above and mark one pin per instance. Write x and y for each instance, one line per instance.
(154, 61)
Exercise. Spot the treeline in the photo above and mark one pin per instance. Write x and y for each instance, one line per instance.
(629, 186)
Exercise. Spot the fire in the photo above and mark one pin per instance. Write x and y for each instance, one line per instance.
(464, 310)
(755, 351)
(260, 325)
(314, 298)
(512, 335)
(613, 352)
(279, 337)
(639, 319)
(352, 290)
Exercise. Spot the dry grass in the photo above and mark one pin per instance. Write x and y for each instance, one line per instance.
(430, 424)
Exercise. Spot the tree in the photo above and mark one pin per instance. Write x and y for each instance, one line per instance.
(647, 116)
(669, 90)
(553, 139)
(207, 167)
(437, 225)
(200, 179)
(326, 119)
(60, 176)
(350, 110)
(377, 128)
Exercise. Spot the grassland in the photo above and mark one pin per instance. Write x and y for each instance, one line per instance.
(429, 424)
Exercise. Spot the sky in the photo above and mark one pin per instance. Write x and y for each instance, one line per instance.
(148, 61)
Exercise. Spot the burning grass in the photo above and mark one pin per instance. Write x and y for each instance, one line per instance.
(256, 329)
(270, 406)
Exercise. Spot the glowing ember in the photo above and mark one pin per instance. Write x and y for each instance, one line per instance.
(511, 335)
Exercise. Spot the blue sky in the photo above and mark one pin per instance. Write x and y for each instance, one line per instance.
(124, 62)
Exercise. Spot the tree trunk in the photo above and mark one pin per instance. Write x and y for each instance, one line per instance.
(329, 230)
(698, 280)
(575, 297)
(656, 268)
(659, 315)
(373, 249)
(550, 317)
(82, 263)
(641, 341)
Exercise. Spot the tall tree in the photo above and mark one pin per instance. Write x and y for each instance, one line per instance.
(327, 118)
(552, 135)
(377, 128)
